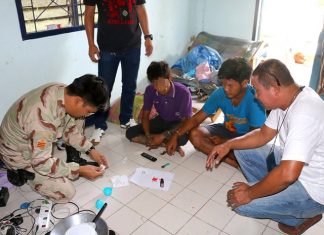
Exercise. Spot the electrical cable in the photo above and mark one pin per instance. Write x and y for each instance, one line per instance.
(33, 219)
(30, 211)
(55, 204)
(85, 211)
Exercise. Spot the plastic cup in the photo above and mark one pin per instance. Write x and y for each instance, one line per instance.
(107, 191)
(99, 203)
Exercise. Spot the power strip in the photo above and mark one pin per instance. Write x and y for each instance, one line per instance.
(44, 216)
(4, 229)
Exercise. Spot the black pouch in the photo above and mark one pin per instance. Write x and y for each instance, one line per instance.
(19, 177)
(271, 161)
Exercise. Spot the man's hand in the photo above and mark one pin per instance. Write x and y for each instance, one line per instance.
(239, 195)
(148, 47)
(216, 155)
(155, 141)
(90, 172)
(98, 157)
(94, 53)
(172, 145)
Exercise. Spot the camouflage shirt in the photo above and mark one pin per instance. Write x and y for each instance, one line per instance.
(32, 125)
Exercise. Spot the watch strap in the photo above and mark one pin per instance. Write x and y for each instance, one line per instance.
(150, 36)
(89, 150)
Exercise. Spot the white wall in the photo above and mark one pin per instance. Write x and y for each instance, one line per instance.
(172, 24)
(27, 64)
(232, 18)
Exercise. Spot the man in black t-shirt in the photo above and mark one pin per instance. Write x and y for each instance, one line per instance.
(120, 26)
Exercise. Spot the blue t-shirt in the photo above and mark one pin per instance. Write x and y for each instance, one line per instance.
(249, 113)
(173, 106)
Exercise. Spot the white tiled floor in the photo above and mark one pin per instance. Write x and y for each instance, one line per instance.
(195, 203)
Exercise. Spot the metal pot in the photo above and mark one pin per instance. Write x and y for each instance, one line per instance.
(61, 227)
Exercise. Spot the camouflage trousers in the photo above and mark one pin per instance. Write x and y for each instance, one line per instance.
(59, 190)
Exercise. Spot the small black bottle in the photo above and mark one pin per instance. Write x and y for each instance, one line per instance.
(162, 183)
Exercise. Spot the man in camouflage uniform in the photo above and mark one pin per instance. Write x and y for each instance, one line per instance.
(38, 119)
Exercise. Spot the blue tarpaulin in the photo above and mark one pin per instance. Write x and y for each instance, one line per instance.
(196, 56)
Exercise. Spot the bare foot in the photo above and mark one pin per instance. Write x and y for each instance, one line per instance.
(301, 228)
(180, 151)
(232, 162)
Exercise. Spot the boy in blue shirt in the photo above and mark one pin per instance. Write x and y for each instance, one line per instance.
(235, 98)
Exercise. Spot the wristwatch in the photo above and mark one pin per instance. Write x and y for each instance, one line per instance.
(89, 150)
(150, 36)
(167, 134)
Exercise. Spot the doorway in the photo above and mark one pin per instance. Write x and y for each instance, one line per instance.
(290, 30)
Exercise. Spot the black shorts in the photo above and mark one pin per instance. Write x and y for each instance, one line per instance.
(157, 125)
(220, 130)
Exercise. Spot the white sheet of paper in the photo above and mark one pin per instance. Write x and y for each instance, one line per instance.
(151, 178)
(119, 181)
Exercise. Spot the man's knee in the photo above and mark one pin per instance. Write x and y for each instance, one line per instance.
(60, 190)
(69, 193)
(130, 133)
(253, 209)
(239, 154)
(246, 155)
(194, 135)
(65, 194)
(197, 135)
(182, 140)
(243, 210)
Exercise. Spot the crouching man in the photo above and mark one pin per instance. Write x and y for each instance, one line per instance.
(36, 120)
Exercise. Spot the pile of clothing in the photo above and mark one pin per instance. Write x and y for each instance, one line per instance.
(198, 70)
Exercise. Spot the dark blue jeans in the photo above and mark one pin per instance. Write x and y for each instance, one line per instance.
(107, 69)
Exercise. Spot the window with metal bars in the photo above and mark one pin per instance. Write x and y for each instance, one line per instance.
(41, 18)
